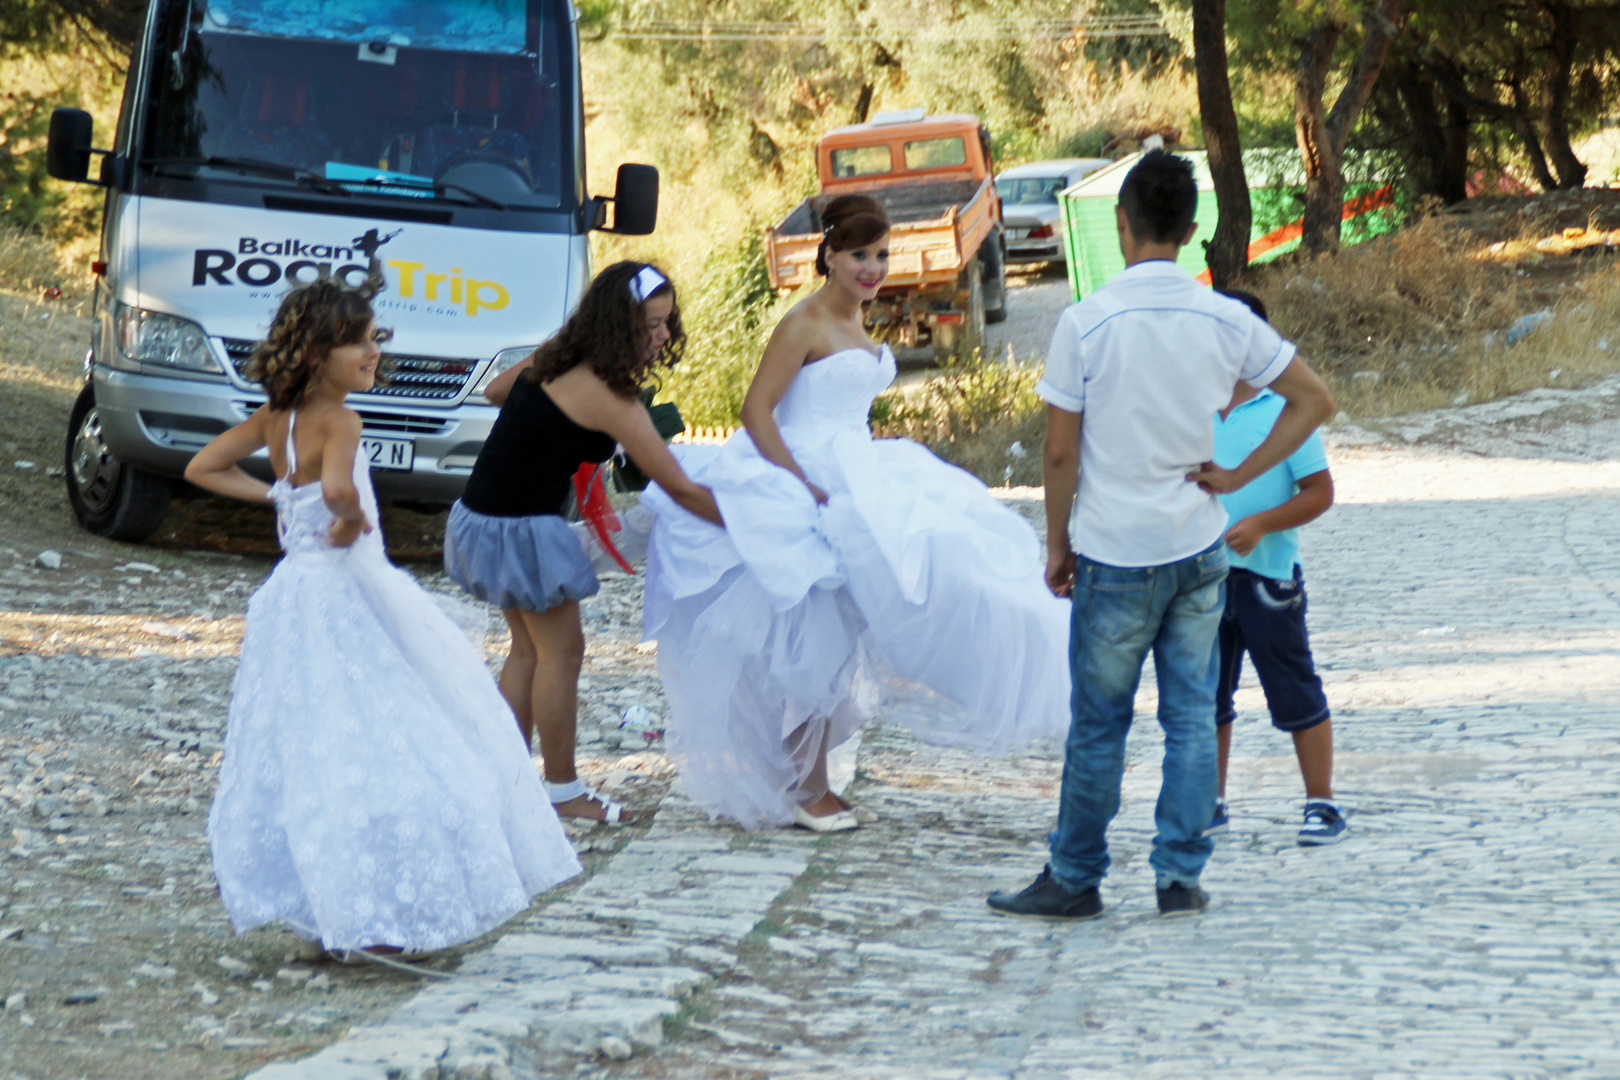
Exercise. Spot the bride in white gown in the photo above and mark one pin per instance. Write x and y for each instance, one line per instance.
(853, 574)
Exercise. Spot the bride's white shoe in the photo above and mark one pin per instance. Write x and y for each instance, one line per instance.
(842, 821)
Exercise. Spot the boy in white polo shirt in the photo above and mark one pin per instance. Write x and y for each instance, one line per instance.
(1134, 376)
(1265, 602)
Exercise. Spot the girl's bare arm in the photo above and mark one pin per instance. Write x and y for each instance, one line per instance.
(341, 443)
(591, 404)
(497, 390)
(214, 468)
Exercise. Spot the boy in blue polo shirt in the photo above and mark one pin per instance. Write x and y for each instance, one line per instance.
(1265, 600)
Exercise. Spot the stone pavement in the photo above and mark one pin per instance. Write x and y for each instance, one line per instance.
(1466, 614)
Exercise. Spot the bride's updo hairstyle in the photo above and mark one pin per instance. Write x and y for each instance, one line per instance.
(608, 331)
(1160, 197)
(849, 221)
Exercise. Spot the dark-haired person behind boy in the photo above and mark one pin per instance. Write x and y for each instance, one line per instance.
(1134, 376)
(1265, 601)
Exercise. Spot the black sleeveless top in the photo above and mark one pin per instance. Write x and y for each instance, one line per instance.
(528, 462)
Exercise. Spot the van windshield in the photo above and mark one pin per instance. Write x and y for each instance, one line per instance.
(409, 98)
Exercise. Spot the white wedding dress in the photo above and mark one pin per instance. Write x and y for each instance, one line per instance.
(912, 593)
(375, 788)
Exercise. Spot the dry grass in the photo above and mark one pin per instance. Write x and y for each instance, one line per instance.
(28, 261)
(978, 414)
(1422, 318)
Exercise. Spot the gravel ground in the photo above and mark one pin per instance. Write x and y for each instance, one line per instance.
(115, 955)
(115, 668)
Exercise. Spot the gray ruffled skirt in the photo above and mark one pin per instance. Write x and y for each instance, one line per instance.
(533, 563)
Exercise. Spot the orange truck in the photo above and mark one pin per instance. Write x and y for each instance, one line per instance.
(947, 256)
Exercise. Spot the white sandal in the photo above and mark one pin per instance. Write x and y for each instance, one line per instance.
(405, 960)
(613, 813)
(842, 821)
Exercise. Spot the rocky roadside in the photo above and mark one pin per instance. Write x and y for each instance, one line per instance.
(115, 956)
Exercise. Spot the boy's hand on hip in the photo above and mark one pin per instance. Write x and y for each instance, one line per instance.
(1243, 536)
(1216, 480)
(1060, 572)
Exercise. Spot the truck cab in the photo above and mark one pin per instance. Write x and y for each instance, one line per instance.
(435, 147)
(933, 175)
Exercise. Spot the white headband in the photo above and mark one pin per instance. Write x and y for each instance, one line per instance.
(645, 283)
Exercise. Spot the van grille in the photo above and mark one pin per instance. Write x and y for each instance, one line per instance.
(434, 378)
(385, 423)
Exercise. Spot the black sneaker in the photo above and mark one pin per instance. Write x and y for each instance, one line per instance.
(1178, 900)
(1047, 899)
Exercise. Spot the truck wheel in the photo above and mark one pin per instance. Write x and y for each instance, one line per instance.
(994, 271)
(973, 321)
(951, 341)
(109, 498)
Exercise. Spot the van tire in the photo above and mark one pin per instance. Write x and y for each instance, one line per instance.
(108, 497)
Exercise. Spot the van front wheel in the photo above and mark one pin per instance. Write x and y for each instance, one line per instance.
(109, 498)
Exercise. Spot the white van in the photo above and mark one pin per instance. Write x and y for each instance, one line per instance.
(263, 143)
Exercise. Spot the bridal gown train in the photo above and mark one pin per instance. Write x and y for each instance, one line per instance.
(912, 593)
(375, 789)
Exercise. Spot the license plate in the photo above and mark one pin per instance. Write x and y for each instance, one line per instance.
(397, 454)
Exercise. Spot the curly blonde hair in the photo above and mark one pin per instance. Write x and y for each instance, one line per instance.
(312, 320)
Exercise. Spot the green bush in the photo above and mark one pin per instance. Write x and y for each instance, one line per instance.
(728, 314)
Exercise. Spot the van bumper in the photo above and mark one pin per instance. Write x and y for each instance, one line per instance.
(156, 423)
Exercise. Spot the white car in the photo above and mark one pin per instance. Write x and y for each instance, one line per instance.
(1030, 213)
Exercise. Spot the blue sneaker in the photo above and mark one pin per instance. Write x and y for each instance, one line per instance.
(1219, 824)
(1324, 824)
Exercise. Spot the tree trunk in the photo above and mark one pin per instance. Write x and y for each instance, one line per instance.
(1322, 140)
(1565, 37)
(1324, 178)
(1516, 115)
(862, 104)
(1519, 116)
(1451, 183)
(1438, 126)
(1227, 253)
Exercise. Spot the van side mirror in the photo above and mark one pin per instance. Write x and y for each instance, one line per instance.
(635, 202)
(67, 147)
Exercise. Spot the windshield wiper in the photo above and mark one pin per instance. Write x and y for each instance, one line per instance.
(254, 165)
(437, 187)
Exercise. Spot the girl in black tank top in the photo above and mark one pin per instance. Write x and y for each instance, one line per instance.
(528, 462)
(570, 403)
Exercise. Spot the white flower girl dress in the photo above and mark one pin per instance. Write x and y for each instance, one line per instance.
(912, 591)
(375, 789)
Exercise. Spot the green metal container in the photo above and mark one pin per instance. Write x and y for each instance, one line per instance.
(1276, 184)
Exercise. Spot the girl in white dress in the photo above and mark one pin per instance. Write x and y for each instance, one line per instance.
(852, 572)
(375, 793)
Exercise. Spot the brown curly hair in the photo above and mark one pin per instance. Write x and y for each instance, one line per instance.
(608, 332)
(849, 221)
(312, 320)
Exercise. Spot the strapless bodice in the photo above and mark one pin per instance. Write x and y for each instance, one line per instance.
(836, 392)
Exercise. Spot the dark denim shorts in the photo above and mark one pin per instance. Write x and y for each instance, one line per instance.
(1266, 618)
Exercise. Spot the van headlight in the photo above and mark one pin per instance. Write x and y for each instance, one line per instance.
(164, 341)
(504, 360)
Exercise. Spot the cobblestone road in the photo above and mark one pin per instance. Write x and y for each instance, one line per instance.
(1465, 929)
(1466, 614)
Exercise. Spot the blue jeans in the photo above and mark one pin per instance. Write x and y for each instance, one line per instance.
(1119, 614)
